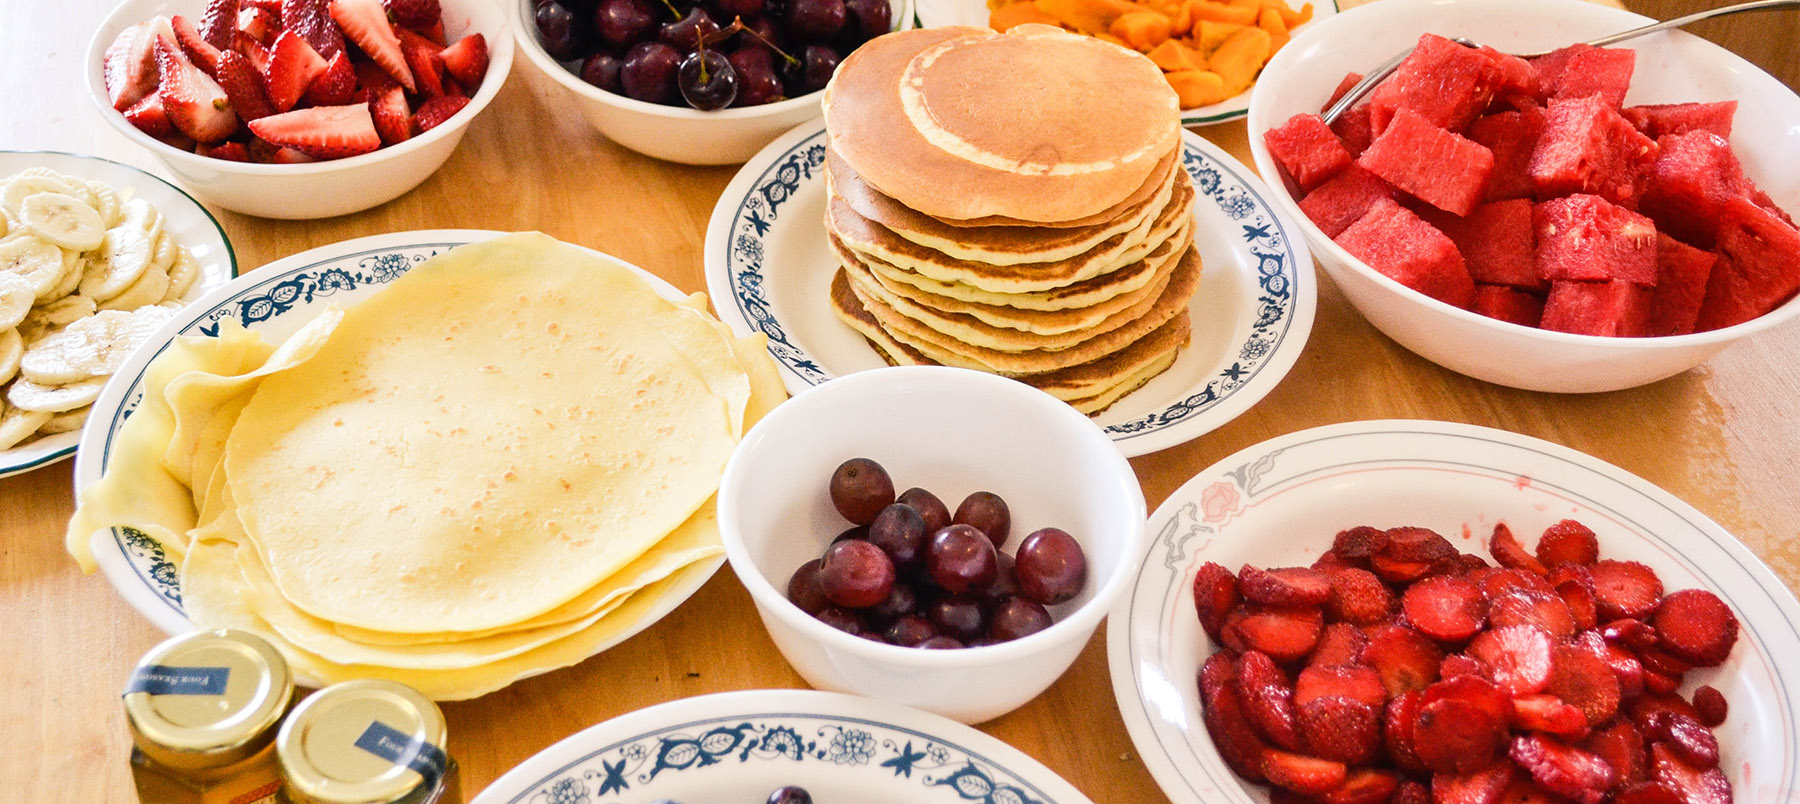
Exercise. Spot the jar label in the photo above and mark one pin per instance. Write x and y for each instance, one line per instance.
(162, 679)
(400, 748)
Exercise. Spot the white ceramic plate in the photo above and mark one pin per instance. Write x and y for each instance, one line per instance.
(1279, 503)
(769, 268)
(274, 300)
(736, 747)
(939, 13)
(184, 218)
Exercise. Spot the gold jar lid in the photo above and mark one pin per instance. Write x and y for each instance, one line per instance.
(363, 742)
(207, 698)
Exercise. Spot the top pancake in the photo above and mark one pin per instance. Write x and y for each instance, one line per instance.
(961, 124)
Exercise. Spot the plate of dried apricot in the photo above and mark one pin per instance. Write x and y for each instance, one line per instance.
(1211, 51)
(1433, 612)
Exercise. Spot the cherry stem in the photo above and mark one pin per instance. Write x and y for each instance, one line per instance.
(737, 24)
(671, 7)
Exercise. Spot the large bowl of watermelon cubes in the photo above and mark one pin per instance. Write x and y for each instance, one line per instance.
(1589, 220)
(299, 108)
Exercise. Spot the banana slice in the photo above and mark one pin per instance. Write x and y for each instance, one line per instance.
(17, 425)
(91, 347)
(107, 202)
(139, 214)
(149, 289)
(182, 275)
(64, 220)
(66, 310)
(16, 299)
(28, 395)
(65, 422)
(74, 267)
(165, 252)
(28, 183)
(39, 262)
(12, 347)
(122, 258)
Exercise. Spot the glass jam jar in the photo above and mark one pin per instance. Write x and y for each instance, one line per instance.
(366, 742)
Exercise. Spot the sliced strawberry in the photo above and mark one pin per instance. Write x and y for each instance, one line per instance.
(1469, 562)
(1231, 632)
(1285, 634)
(1444, 608)
(293, 65)
(1411, 792)
(1660, 683)
(1507, 550)
(394, 123)
(1403, 658)
(1472, 690)
(434, 112)
(1568, 542)
(1457, 664)
(1648, 793)
(1710, 706)
(1548, 714)
(229, 151)
(1479, 787)
(1340, 643)
(1364, 786)
(1626, 668)
(1286, 586)
(1623, 747)
(311, 21)
(130, 67)
(1517, 658)
(1302, 774)
(1500, 580)
(1341, 729)
(434, 32)
(1579, 573)
(253, 51)
(1658, 660)
(195, 103)
(1625, 589)
(1577, 592)
(1692, 741)
(1358, 597)
(1352, 681)
(149, 117)
(1584, 681)
(194, 46)
(292, 156)
(415, 13)
(1634, 634)
(1215, 588)
(365, 23)
(1455, 736)
(421, 56)
(325, 132)
(1696, 626)
(1217, 674)
(1396, 571)
(1267, 699)
(372, 82)
(1563, 769)
(1417, 544)
(244, 86)
(1532, 607)
(1357, 544)
(218, 23)
(259, 23)
(1525, 791)
(263, 151)
(1397, 731)
(1330, 560)
(1651, 703)
(1231, 733)
(334, 87)
(467, 60)
(1696, 785)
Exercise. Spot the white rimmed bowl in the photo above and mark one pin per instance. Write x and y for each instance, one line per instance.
(677, 133)
(1672, 67)
(316, 189)
(952, 432)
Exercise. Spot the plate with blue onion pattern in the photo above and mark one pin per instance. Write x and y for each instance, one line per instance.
(737, 747)
(769, 269)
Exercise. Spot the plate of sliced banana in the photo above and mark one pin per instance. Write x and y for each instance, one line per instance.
(94, 256)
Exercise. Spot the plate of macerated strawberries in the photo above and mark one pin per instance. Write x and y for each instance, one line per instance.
(1422, 612)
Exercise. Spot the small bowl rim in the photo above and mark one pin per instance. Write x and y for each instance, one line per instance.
(500, 52)
(1083, 619)
(1265, 165)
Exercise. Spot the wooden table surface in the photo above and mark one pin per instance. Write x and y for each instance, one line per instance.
(1721, 437)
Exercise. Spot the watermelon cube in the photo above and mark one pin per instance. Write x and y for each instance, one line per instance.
(1680, 118)
(1511, 136)
(1587, 147)
(1615, 309)
(1343, 86)
(1758, 268)
(1307, 148)
(1596, 71)
(1511, 76)
(1346, 197)
(1762, 199)
(1508, 304)
(1403, 247)
(1439, 167)
(1447, 83)
(1550, 66)
(1354, 129)
(1586, 239)
(1693, 176)
(1681, 273)
(1498, 244)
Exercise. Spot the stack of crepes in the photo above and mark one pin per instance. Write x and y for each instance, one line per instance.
(1013, 203)
(499, 464)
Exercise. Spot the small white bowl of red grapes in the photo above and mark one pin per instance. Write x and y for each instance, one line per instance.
(1589, 220)
(702, 82)
(938, 537)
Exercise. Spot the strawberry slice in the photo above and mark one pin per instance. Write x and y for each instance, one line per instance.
(1231, 633)
(1517, 658)
(229, 151)
(1267, 699)
(415, 13)
(421, 56)
(1444, 608)
(1215, 588)
(1625, 589)
(1695, 626)
(293, 66)
(1563, 769)
(1650, 703)
(1575, 585)
(149, 117)
(1548, 714)
(259, 23)
(1231, 733)
(1217, 674)
(1532, 607)
(1397, 731)
(1657, 660)
(1286, 586)
(1358, 597)
(1472, 690)
(1525, 791)
(1584, 681)
(1568, 542)
(1457, 664)
(1507, 550)
(1417, 544)
(1500, 580)
(324, 132)
(218, 23)
(365, 23)
(1455, 736)
(1648, 793)
(254, 52)
(335, 86)
(1397, 571)
(1285, 634)
(1351, 681)
(1693, 742)
(1340, 643)
(129, 66)
(1480, 787)
(1357, 544)
(467, 60)
(1696, 785)
(1623, 747)
(1411, 792)
(244, 86)
(1340, 729)
(195, 103)
(1634, 634)
(1404, 659)
(1661, 683)
(1364, 786)
(394, 122)
(1302, 774)
(292, 156)
(1710, 706)
(311, 20)
(194, 46)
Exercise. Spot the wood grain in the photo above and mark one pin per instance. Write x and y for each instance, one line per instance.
(1721, 437)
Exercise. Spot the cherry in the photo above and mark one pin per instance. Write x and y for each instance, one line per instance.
(602, 70)
(815, 20)
(556, 28)
(757, 83)
(648, 72)
(622, 23)
(685, 33)
(707, 80)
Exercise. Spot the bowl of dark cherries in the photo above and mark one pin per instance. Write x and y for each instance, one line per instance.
(938, 537)
(704, 82)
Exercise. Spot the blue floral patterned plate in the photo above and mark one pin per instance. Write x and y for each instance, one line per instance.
(274, 300)
(736, 747)
(769, 267)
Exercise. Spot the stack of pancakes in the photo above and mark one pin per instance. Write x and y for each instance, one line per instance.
(1012, 203)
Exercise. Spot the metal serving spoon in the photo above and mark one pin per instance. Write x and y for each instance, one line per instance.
(1376, 75)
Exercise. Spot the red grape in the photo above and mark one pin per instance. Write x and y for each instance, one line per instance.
(1051, 566)
(860, 488)
(804, 589)
(988, 513)
(900, 532)
(955, 616)
(1017, 617)
(960, 559)
(909, 631)
(940, 642)
(901, 601)
(841, 619)
(856, 574)
(936, 513)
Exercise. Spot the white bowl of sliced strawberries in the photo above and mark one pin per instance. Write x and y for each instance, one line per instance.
(299, 108)
(1591, 220)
